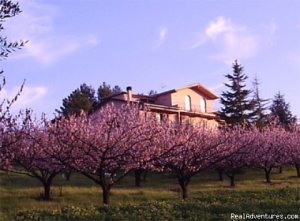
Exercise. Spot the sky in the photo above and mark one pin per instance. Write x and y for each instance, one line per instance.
(151, 45)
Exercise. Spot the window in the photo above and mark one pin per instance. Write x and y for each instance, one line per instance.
(187, 102)
(159, 117)
(202, 105)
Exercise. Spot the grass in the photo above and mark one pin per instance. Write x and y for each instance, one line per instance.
(208, 198)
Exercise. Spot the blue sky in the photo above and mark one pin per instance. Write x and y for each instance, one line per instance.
(149, 45)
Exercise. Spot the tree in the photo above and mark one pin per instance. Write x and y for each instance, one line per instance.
(8, 9)
(281, 109)
(293, 142)
(31, 154)
(237, 106)
(81, 99)
(239, 146)
(105, 146)
(106, 90)
(260, 117)
(84, 99)
(270, 149)
(185, 150)
(152, 92)
(8, 139)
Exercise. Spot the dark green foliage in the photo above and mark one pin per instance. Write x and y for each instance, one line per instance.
(106, 90)
(82, 99)
(8, 9)
(237, 106)
(152, 92)
(210, 205)
(260, 117)
(281, 110)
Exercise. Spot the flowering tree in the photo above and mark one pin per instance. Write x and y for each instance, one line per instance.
(239, 143)
(8, 9)
(293, 143)
(185, 150)
(30, 153)
(270, 149)
(105, 146)
(8, 138)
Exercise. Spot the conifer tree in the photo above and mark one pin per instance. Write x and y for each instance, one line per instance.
(260, 117)
(281, 109)
(237, 105)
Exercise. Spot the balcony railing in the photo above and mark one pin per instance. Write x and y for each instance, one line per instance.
(193, 108)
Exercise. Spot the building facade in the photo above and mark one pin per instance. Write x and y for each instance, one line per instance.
(190, 104)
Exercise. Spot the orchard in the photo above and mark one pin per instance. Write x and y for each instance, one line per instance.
(113, 142)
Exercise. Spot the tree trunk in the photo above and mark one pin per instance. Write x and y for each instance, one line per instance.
(137, 176)
(231, 176)
(268, 174)
(105, 195)
(47, 187)
(280, 170)
(144, 175)
(220, 172)
(298, 169)
(68, 175)
(232, 181)
(183, 185)
(184, 191)
(105, 188)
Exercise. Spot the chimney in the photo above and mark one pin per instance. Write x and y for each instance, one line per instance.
(129, 93)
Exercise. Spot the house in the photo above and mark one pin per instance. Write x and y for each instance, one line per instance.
(190, 104)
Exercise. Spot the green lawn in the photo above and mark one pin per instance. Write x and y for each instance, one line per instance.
(159, 198)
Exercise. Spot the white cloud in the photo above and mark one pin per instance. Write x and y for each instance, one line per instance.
(163, 31)
(46, 44)
(233, 41)
(29, 96)
(221, 26)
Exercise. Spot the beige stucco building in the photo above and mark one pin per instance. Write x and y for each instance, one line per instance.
(190, 104)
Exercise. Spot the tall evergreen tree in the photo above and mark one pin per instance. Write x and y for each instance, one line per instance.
(81, 99)
(281, 109)
(260, 117)
(237, 106)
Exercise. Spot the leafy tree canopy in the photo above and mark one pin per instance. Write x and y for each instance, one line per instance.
(84, 99)
(105, 90)
(81, 99)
